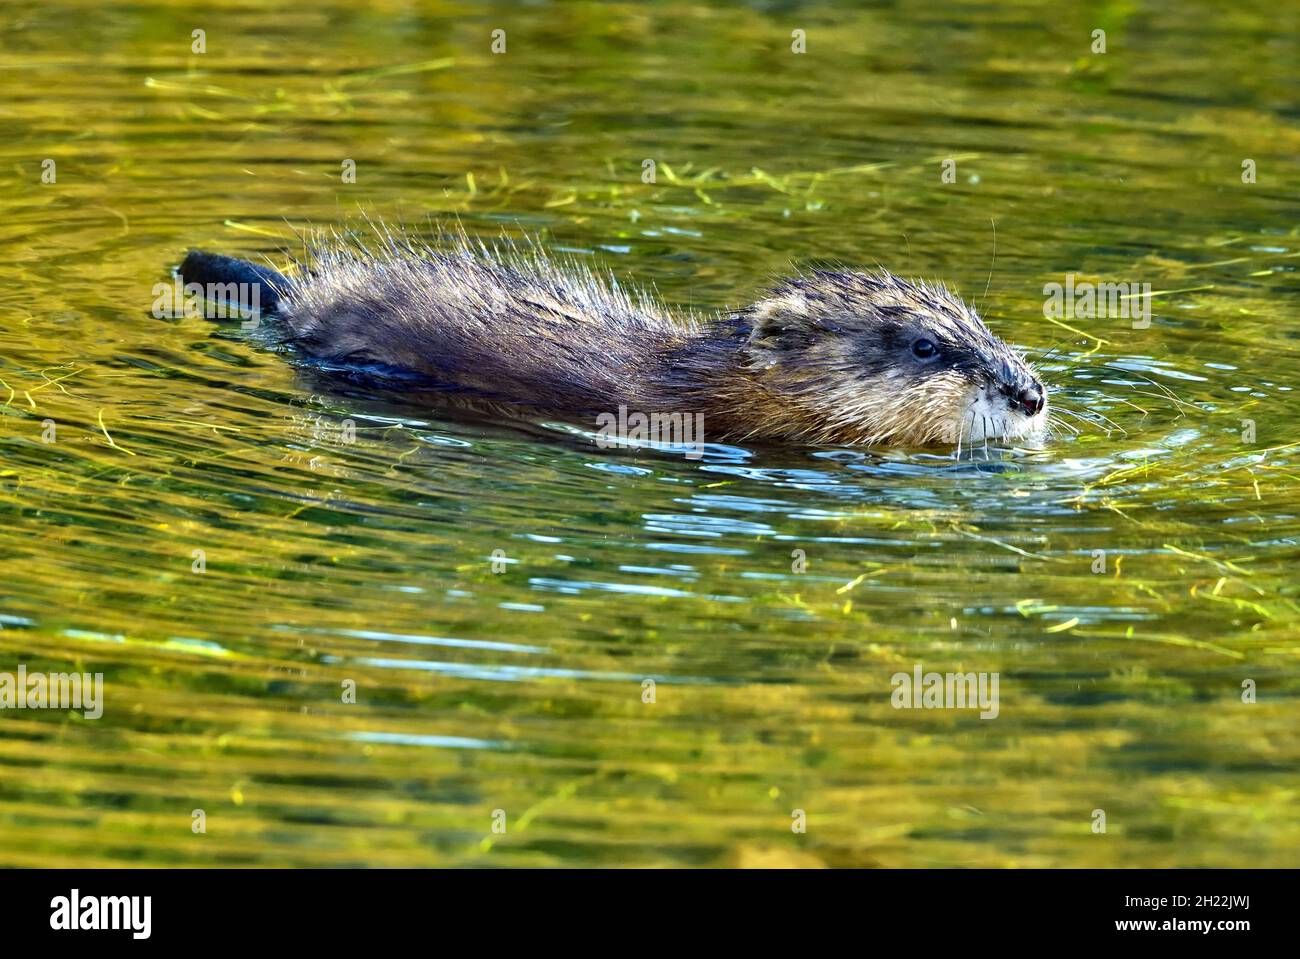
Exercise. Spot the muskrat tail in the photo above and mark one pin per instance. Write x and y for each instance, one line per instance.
(212, 269)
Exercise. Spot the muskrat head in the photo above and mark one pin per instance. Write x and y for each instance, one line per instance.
(872, 358)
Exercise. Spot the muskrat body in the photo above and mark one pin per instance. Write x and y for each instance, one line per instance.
(830, 357)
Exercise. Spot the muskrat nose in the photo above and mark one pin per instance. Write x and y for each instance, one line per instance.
(1031, 399)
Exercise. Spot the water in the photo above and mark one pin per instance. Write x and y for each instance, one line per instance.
(327, 563)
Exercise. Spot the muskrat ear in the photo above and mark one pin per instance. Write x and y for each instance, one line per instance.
(784, 322)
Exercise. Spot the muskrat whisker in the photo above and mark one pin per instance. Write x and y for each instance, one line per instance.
(1054, 420)
(1164, 388)
(1165, 392)
(1172, 398)
(961, 430)
(1090, 415)
(1050, 350)
(1094, 417)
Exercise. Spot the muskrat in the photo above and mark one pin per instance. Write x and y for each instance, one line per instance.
(828, 357)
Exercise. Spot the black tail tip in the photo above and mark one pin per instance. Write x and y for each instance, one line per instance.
(252, 283)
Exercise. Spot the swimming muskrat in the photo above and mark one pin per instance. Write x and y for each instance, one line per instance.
(834, 357)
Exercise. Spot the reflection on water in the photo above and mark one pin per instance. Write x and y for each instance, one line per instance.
(350, 628)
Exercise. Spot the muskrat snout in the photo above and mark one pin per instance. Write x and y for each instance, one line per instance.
(1031, 400)
(1027, 399)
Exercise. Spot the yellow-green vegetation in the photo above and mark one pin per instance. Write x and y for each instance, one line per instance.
(1124, 583)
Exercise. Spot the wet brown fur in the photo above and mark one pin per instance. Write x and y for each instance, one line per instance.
(821, 359)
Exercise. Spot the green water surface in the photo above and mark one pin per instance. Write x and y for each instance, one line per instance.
(129, 442)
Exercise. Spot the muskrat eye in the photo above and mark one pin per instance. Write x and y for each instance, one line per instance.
(924, 349)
